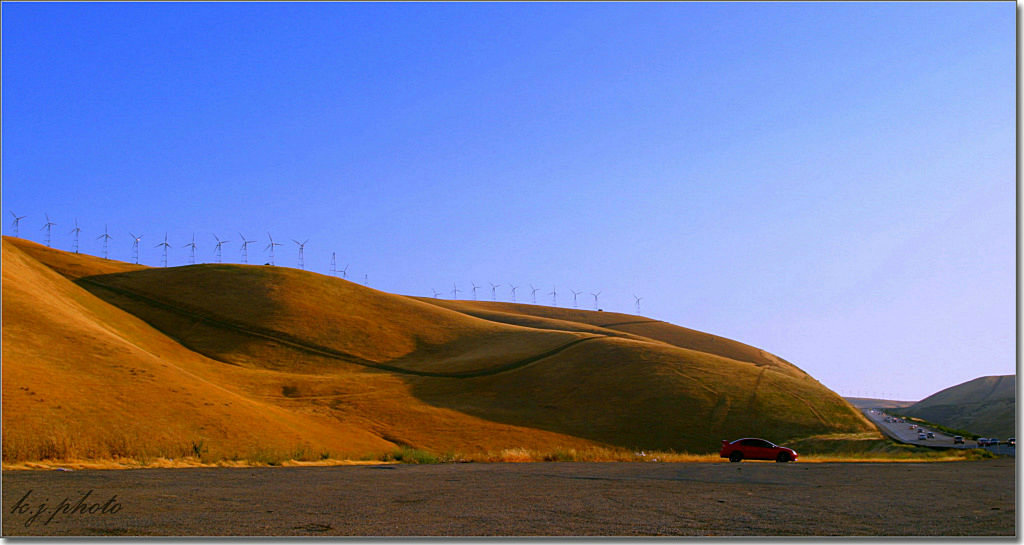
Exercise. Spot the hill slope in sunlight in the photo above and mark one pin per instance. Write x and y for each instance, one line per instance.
(102, 359)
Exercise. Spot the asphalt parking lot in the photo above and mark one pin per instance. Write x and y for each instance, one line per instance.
(532, 499)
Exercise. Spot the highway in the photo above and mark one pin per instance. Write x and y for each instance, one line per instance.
(904, 434)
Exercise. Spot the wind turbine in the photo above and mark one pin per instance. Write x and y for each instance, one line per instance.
(595, 298)
(166, 246)
(533, 292)
(637, 303)
(554, 296)
(455, 291)
(475, 287)
(494, 286)
(514, 288)
(574, 294)
(220, 243)
(302, 246)
(76, 231)
(192, 245)
(47, 226)
(271, 247)
(17, 218)
(135, 245)
(105, 236)
(344, 272)
(436, 293)
(302, 260)
(245, 247)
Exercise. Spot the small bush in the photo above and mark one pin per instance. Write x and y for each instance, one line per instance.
(409, 455)
(199, 448)
(560, 455)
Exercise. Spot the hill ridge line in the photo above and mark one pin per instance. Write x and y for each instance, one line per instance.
(288, 340)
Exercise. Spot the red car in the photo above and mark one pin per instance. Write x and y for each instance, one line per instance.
(756, 449)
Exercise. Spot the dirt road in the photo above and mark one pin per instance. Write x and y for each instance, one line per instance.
(542, 499)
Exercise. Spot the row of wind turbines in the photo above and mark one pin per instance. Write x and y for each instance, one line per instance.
(270, 247)
(137, 239)
(533, 293)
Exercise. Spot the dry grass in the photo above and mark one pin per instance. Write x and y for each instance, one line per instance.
(249, 364)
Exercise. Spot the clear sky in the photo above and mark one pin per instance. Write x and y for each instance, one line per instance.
(832, 182)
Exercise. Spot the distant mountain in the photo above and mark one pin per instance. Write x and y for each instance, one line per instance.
(871, 403)
(986, 406)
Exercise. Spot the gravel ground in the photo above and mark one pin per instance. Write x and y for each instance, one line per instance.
(540, 499)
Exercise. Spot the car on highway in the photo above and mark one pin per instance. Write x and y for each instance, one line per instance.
(921, 435)
(931, 435)
(958, 440)
(988, 442)
(1011, 442)
(750, 448)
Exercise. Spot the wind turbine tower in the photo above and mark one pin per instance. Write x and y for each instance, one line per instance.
(637, 303)
(271, 247)
(554, 296)
(217, 249)
(334, 265)
(105, 236)
(533, 292)
(135, 246)
(166, 246)
(455, 291)
(475, 287)
(344, 272)
(595, 299)
(76, 231)
(192, 245)
(47, 226)
(514, 288)
(245, 248)
(17, 219)
(302, 260)
(436, 293)
(494, 296)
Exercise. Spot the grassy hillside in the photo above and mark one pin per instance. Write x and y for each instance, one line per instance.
(103, 359)
(986, 406)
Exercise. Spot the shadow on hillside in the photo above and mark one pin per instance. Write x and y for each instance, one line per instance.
(191, 305)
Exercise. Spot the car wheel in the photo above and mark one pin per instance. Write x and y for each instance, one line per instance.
(735, 456)
(782, 458)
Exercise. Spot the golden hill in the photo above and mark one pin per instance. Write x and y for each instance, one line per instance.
(103, 359)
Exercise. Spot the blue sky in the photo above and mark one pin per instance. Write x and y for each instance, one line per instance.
(832, 182)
